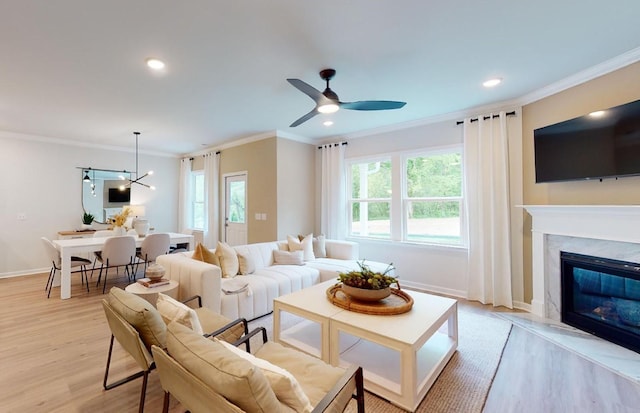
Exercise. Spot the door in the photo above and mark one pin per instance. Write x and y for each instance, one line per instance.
(235, 215)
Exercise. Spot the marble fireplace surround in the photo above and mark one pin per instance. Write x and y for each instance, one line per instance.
(607, 231)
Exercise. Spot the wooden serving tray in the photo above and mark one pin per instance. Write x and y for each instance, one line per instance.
(397, 303)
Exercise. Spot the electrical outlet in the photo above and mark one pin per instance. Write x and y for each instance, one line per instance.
(22, 216)
(263, 216)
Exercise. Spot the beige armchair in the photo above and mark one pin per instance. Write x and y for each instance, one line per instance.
(209, 375)
(137, 326)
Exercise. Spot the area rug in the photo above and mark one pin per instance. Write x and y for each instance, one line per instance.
(463, 385)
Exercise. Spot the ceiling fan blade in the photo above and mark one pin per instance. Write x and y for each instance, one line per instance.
(307, 89)
(304, 118)
(372, 105)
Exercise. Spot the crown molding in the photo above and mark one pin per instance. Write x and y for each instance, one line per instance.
(69, 142)
(608, 66)
(248, 139)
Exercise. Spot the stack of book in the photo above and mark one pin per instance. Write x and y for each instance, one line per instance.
(150, 283)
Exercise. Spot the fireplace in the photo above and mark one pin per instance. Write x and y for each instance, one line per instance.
(602, 296)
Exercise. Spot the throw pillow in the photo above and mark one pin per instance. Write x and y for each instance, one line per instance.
(173, 310)
(209, 256)
(246, 264)
(283, 384)
(141, 315)
(319, 246)
(197, 255)
(202, 253)
(227, 374)
(228, 259)
(287, 257)
(306, 245)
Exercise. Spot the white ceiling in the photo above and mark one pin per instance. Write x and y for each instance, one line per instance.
(74, 69)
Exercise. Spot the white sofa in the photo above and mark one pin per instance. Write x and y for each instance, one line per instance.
(267, 282)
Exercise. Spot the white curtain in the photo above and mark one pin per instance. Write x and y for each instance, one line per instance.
(486, 166)
(333, 219)
(212, 204)
(184, 201)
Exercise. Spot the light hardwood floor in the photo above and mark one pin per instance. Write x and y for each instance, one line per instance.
(53, 353)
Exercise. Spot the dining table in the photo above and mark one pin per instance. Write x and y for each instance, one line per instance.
(76, 246)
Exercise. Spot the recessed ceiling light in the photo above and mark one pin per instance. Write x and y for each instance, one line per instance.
(492, 82)
(597, 114)
(155, 64)
(327, 123)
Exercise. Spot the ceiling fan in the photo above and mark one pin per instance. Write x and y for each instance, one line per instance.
(328, 102)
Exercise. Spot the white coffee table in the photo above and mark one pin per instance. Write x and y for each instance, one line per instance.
(151, 293)
(401, 355)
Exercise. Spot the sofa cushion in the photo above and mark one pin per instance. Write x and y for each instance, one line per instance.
(305, 245)
(315, 376)
(283, 384)
(319, 245)
(288, 257)
(246, 263)
(174, 310)
(228, 259)
(236, 379)
(141, 314)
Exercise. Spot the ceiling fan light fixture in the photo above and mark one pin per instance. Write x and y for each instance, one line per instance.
(328, 108)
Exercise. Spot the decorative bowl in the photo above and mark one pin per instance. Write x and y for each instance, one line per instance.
(364, 294)
(155, 272)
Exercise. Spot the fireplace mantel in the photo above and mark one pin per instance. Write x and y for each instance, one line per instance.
(602, 222)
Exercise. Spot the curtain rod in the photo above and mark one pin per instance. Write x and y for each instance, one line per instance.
(334, 144)
(512, 113)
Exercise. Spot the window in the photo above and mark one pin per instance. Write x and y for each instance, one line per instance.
(413, 197)
(432, 202)
(198, 198)
(371, 199)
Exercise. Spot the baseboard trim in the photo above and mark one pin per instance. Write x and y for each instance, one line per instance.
(24, 273)
(426, 288)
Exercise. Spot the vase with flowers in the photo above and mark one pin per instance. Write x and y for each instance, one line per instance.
(118, 221)
(366, 284)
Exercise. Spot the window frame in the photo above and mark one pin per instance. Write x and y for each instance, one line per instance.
(400, 200)
(192, 198)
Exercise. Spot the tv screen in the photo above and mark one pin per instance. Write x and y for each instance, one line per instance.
(595, 146)
(117, 195)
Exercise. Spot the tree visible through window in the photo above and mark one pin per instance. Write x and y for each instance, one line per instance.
(433, 200)
(428, 197)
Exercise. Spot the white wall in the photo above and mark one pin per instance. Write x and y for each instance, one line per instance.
(432, 268)
(41, 181)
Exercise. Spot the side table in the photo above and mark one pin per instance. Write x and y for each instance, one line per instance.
(151, 293)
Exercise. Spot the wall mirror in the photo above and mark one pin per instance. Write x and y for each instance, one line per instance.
(102, 195)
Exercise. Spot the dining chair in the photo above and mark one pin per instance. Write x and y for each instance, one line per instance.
(103, 233)
(153, 246)
(116, 252)
(56, 265)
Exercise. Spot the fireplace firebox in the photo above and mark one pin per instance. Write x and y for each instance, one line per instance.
(602, 296)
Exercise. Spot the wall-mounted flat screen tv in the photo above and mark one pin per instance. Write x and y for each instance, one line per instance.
(603, 144)
(118, 195)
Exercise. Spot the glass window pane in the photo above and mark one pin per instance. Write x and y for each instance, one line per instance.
(236, 203)
(198, 188)
(198, 215)
(434, 222)
(371, 180)
(371, 219)
(434, 175)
